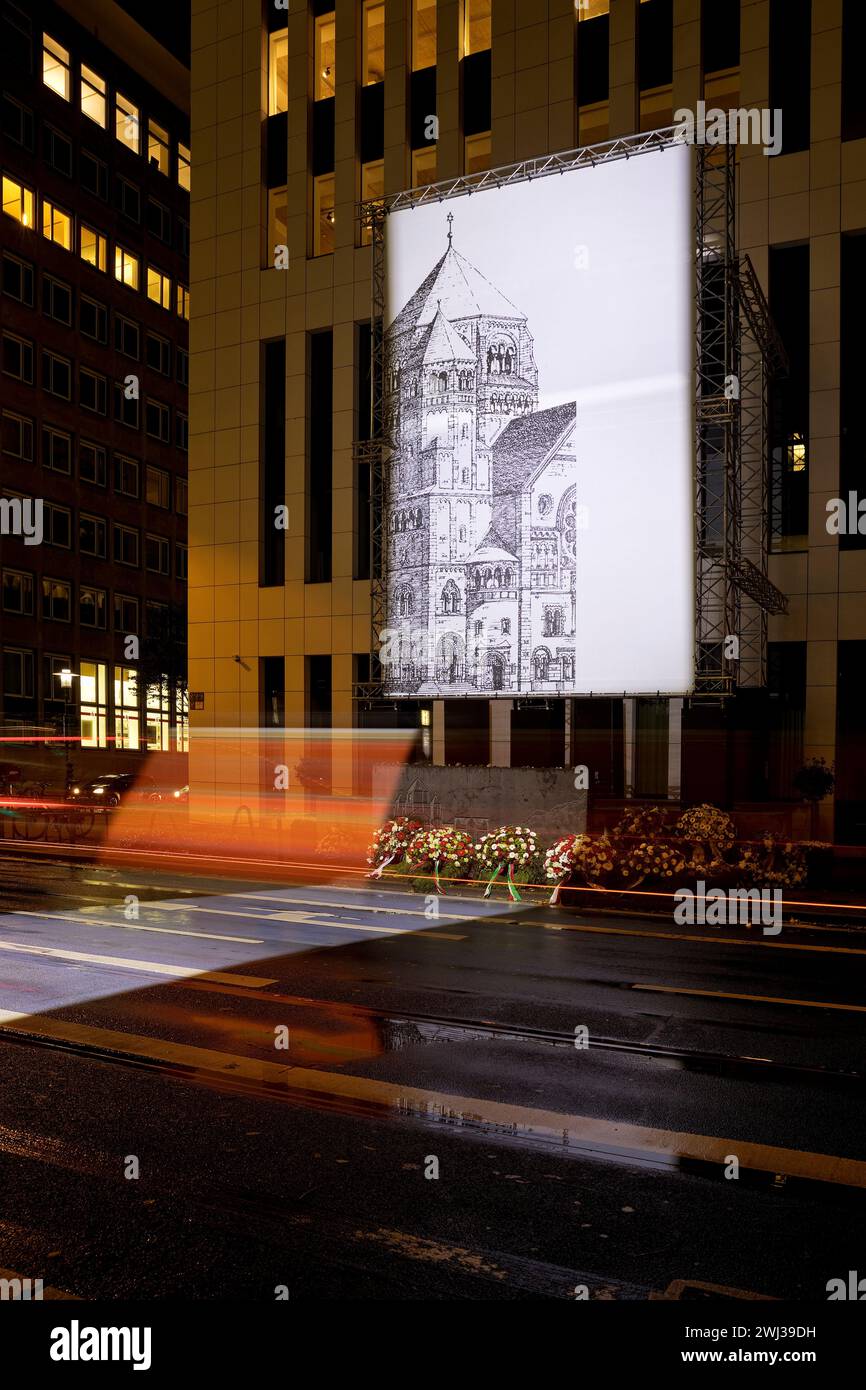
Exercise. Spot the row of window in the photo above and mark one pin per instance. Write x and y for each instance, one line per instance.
(17, 124)
(101, 106)
(17, 435)
(18, 280)
(57, 379)
(126, 547)
(476, 36)
(58, 225)
(143, 715)
(20, 588)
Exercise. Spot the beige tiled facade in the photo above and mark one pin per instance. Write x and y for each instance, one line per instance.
(813, 196)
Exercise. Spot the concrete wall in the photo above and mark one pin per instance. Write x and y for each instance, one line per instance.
(479, 799)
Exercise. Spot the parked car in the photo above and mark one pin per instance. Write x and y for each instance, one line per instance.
(114, 788)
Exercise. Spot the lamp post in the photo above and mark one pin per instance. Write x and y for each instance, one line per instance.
(66, 678)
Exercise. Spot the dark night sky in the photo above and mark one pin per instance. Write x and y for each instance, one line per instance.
(167, 22)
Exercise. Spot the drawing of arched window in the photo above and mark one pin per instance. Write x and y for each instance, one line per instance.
(509, 579)
(553, 624)
(509, 359)
(405, 602)
(442, 382)
(566, 523)
(448, 658)
(541, 663)
(477, 579)
(418, 519)
(497, 577)
(451, 598)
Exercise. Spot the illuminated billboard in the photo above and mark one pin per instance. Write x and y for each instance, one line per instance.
(538, 382)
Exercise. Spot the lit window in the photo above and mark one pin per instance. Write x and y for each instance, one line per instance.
(181, 709)
(183, 166)
(325, 49)
(94, 247)
(126, 707)
(278, 221)
(94, 712)
(372, 186)
(158, 713)
(126, 267)
(158, 287)
(423, 34)
(424, 166)
(476, 25)
(183, 301)
(591, 9)
(55, 66)
(126, 123)
(157, 147)
(93, 95)
(17, 201)
(56, 225)
(323, 212)
(278, 73)
(477, 152)
(373, 57)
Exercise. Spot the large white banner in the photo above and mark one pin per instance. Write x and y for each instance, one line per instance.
(540, 495)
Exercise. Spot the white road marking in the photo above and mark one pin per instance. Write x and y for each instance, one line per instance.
(150, 967)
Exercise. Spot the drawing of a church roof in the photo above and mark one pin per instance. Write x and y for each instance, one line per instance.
(481, 496)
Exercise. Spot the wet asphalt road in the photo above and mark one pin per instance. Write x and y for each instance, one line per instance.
(337, 1181)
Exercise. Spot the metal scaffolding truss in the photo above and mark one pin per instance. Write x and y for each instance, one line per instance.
(737, 349)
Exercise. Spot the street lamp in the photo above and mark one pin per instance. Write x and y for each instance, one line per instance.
(66, 678)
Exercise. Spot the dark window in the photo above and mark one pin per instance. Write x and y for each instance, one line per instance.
(655, 43)
(57, 375)
(126, 337)
(93, 175)
(93, 319)
(272, 462)
(183, 237)
(18, 358)
(181, 431)
(128, 199)
(182, 363)
(126, 546)
(91, 463)
(157, 487)
(58, 525)
(181, 562)
(853, 87)
(319, 691)
(17, 279)
(56, 450)
(789, 396)
(272, 688)
(56, 299)
(17, 122)
(157, 555)
(57, 150)
(157, 421)
(92, 607)
(372, 122)
(126, 475)
(422, 105)
(125, 613)
(852, 348)
(592, 60)
(790, 69)
(320, 417)
(159, 220)
(92, 391)
(56, 600)
(157, 352)
(17, 592)
(476, 92)
(323, 136)
(16, 436)
(125, 407)
(720, 34)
